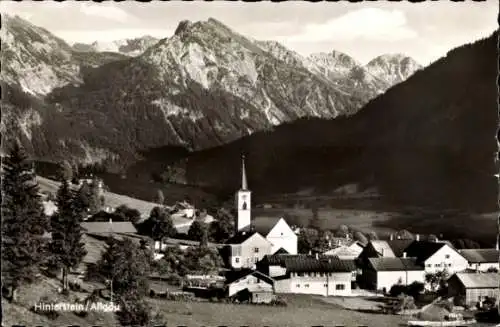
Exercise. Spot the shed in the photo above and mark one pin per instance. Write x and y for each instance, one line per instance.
(472, 288)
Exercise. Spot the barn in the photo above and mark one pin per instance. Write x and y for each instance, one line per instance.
(473, 288)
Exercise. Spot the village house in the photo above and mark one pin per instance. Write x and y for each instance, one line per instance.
(245, 249)
(278, 232)
(374, 249)
(349, 251)
(258, 286)
(481, 259)
(304, 274)
(472, 288)
(437, 256)
(384, 272)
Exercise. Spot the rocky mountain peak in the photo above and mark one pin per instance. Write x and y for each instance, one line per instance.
(183, 27)
(393, 67)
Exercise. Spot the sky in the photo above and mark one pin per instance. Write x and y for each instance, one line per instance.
(424, 31)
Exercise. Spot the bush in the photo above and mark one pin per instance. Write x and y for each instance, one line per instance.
(397, 290)
(415, 289)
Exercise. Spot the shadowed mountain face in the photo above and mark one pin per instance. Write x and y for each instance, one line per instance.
(429, 141)
(204, 86)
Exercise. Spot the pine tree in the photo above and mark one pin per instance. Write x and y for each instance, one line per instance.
(66, 247)
(95, 202)
(126, 267)
(84, 196)
(65, 171)
(161, 224)
(134, 311)
(23, 221)
(196, 231)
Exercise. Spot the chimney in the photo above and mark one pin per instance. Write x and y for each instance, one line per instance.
(418, 237)
(404, 254)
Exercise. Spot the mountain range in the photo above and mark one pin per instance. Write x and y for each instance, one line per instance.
(429, 141)
(128, 47)
(205, 86)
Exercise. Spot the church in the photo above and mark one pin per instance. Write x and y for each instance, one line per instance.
(252, 241)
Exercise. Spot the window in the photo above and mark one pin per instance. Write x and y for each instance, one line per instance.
(437, 265)
(429, 265)
(321, 274)
(325, 285)
(447, 256)
(237, 260)
(306, 285)
(257, 281)
(256, 250)
(340, 287)
(449, 265)
(298, 285)
(300, 274)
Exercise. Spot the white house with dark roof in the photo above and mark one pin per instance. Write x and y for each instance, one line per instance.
(481, 259)
(245, 249)
(437, 256)
(251, 280)
(384, 272)
(304, 274)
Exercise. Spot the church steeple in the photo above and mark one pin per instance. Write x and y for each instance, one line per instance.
(244, 184)
(243, 201)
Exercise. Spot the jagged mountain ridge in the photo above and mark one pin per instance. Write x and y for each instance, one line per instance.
(129, 47)
(393, 68)
(204, 86)
(427, 142)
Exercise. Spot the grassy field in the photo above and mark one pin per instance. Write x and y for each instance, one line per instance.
(112, 199)
(301, 311)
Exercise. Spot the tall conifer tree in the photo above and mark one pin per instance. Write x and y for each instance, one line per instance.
(66, 246)
(23, 221)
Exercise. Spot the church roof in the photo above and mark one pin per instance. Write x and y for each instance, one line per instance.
(263, 225)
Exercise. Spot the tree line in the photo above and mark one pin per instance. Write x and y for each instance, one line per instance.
(34, 243)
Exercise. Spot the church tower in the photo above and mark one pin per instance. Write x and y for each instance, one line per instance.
(243, 202)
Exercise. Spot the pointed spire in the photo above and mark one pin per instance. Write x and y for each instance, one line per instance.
(244, 185)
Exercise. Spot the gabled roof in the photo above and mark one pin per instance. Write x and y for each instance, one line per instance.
(382, 248)
(241, 237)
(323, 264)
(481, 255)
(478, 280)
(237, 275)
(399, 246)
(394, 264)
(281, 251)
(264, 225)
(423, 250)
(106, 227)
